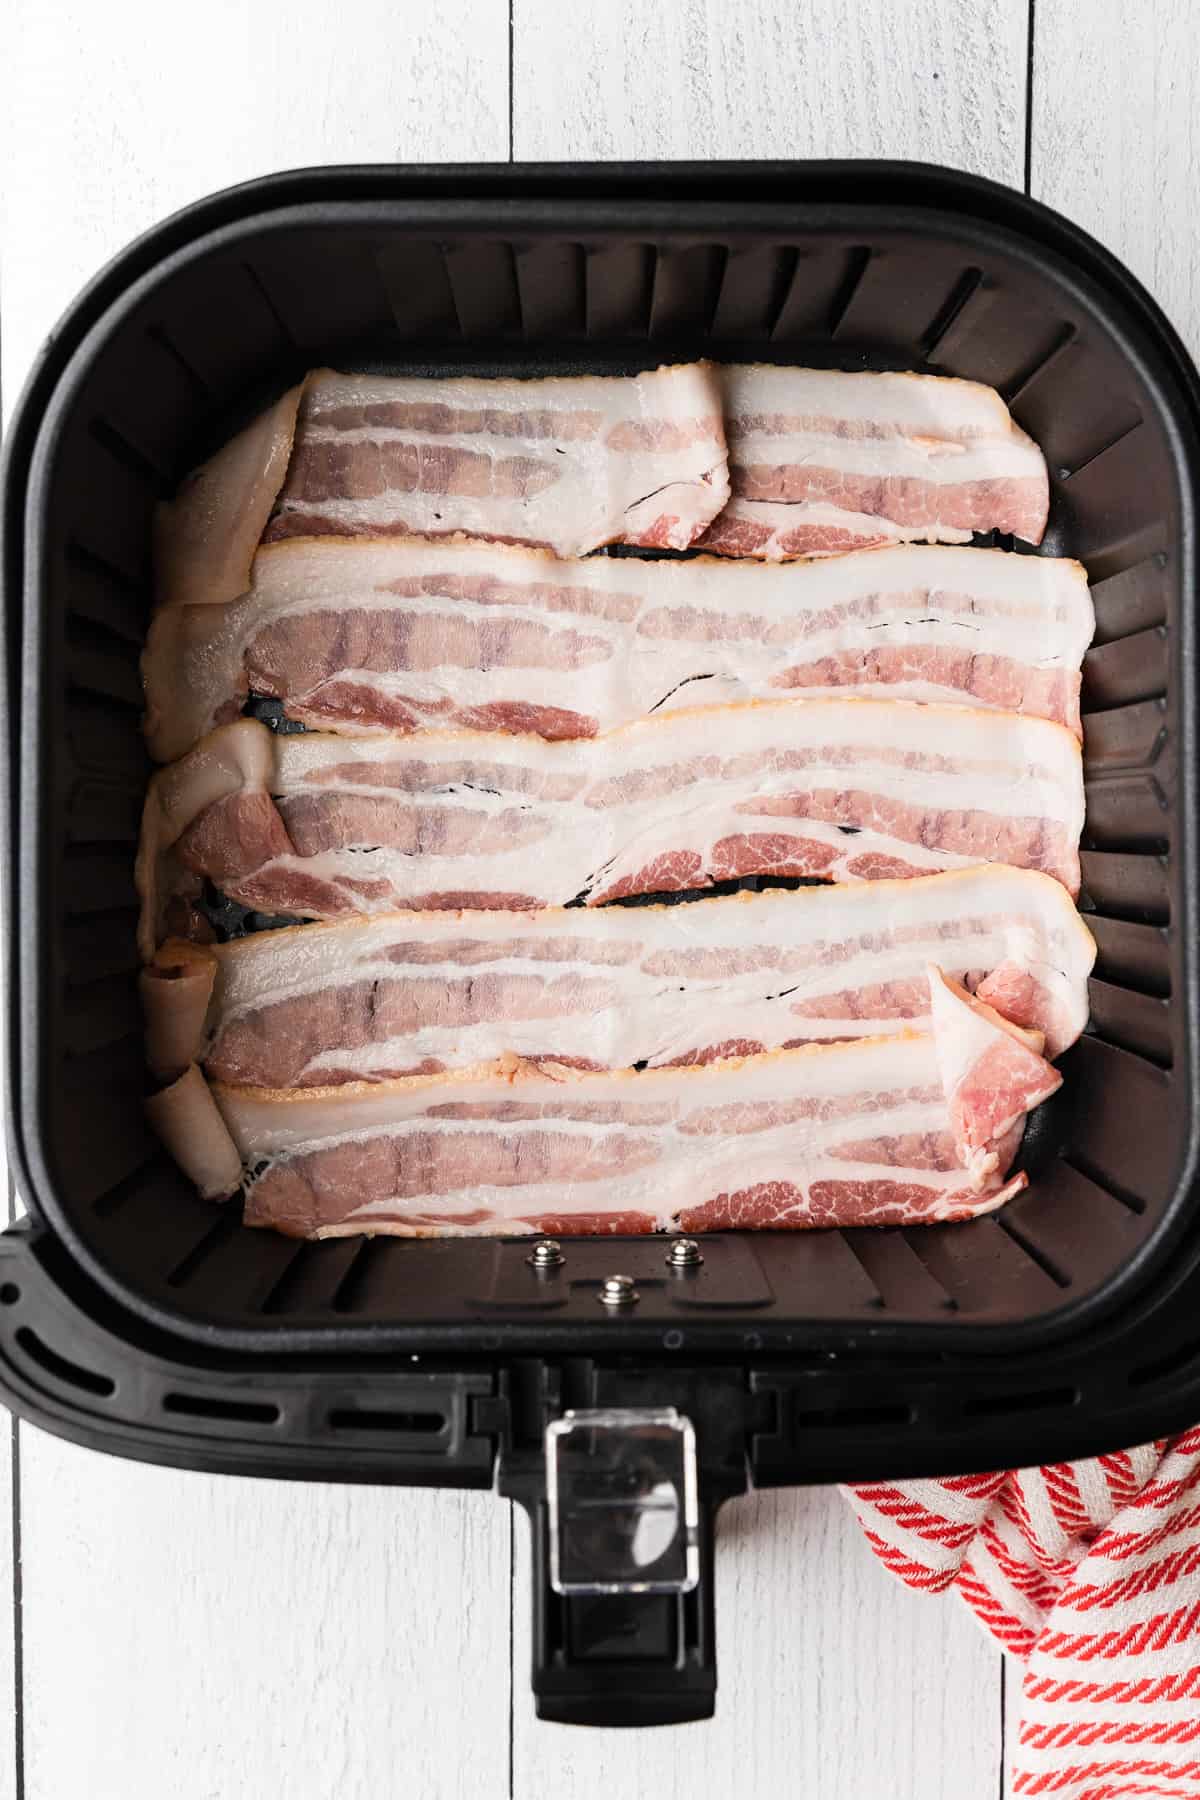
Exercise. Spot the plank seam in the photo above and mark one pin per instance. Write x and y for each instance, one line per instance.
(17, 1620)
(1030, 46)
(512, 1648)
(17, 1591)
(1030, 49)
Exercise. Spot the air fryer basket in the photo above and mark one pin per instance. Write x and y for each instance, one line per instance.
(1057, 1326)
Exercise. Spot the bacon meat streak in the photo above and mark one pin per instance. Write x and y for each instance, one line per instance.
(821, 461)
(368, 636)
(416, 993)
(841, 790)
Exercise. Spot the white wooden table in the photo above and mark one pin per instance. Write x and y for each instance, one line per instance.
(181, 1637)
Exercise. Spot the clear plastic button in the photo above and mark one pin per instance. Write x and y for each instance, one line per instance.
(621, 1485)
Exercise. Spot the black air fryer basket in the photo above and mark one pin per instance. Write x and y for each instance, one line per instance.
(136, 1318)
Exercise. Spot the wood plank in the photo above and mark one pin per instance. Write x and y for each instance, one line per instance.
(186, 1635)
(1115, 146)
(8, 1609)
(829, 1673)
(833, 1680)
(117, 115)
(9, 1747)
(1116, 136)
(702, 78)
(287, 1605)
(9, 1464)
(197, 1637)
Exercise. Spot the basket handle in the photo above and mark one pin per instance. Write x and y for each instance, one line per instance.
(623, 1659)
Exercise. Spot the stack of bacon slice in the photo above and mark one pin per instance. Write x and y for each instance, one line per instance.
(821, 462)
(394, 634)
(502, 733)
(415, 993)
(850, 790)
(869, 1132)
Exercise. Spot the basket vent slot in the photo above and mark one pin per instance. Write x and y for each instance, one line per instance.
(687, 285)
(1132, 601)
(1045, 1262)
(228, 1223)
(1125, 670)
(101, 812)
(1121, 886)
(815, 288)
(101, 657)
(963, 291)
(98, 945)
(844, 1418)
(857, 263)
(1133, 956)
(902, 1280)
(130, 458)
(416, 280)
(1042, 365)
(551, 289)
(1100, 1178)
(754, 286)
(62, 1368)
(164, 342)
(1137, 1022)
(207, 1406)
(97, 879)
(254, 277)
(1104, 448)
(113, 1198)
(993, 1406)
(854, 1244)
(483, 282)
(99, 1014)
(347, 1418)
(350, 1287)
(619, 283)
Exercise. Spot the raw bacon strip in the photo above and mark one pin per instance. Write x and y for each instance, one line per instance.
(568, 462)
(849, 790)
(176, 992)
(847, 1134)
(185, 1117)
(411, 993)
(822, 461)
(370, 636)
(205, 539)
(992, 1072)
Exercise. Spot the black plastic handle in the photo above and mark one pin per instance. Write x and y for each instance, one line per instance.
(623, 1659)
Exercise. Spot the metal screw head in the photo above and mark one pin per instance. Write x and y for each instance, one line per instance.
(618, 1290)
(685, 1253)
(547, 1254)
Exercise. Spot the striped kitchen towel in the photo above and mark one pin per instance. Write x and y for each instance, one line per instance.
(1089, 1574)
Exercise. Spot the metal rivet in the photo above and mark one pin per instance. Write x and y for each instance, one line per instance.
(547, 1254)
(618, 1290)
(685, 1253)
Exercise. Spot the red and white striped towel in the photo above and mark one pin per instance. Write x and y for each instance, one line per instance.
(1089, 1573)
